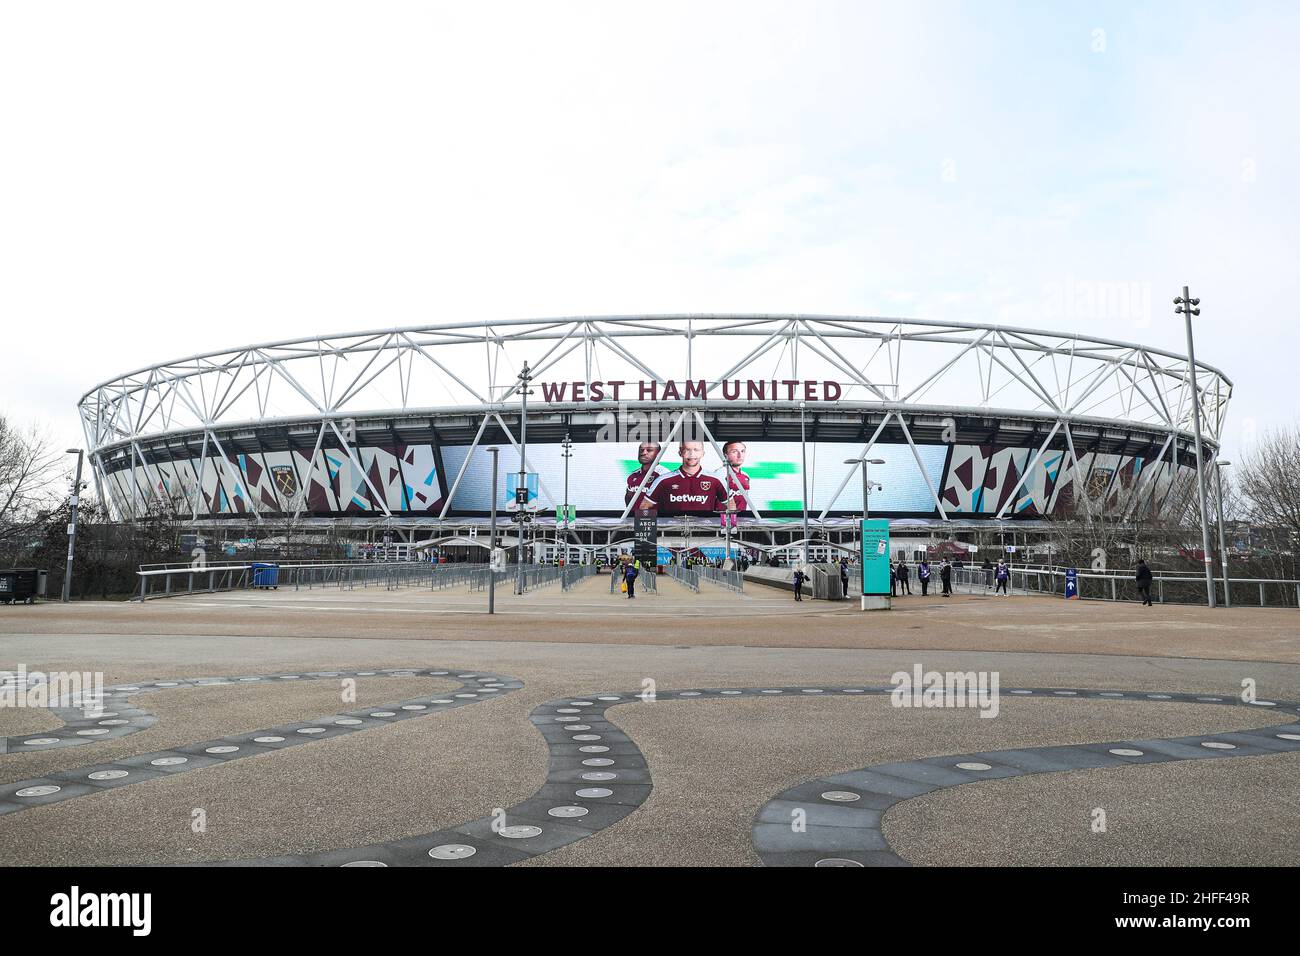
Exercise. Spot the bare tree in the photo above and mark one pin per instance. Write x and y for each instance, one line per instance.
(1269, 480)
(28, 469)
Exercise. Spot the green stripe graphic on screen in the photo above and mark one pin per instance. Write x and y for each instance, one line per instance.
(630, 465)
(771, 469)
(791, 505)
(763, 469)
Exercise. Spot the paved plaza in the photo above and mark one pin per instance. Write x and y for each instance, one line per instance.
(367, 726)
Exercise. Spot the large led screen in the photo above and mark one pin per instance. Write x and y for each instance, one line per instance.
(770, 478)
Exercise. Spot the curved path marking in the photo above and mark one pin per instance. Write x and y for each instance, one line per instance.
(598, 776)
(122, 719)
(841, 813)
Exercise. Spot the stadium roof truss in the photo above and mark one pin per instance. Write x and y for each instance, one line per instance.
(902, 367)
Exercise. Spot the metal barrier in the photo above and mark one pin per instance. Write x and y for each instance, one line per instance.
(827, 582)
(479, 578)
(647, 581)
(534, 576)
(727, 579)
(1166, 588)
(687, 577)
(156, 582)
(572, 574)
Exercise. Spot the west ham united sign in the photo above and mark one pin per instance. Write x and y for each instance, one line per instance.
(730, 390)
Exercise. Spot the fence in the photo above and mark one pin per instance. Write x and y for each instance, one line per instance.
(727, 579)
(647, 582)
(478, 580)
(572, 574)
(168, 581)
(828, 583)
(688, 577)
(1167, 587)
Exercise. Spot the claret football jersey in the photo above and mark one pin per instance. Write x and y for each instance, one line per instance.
(634, 482)
(739, 485)
(679, 493)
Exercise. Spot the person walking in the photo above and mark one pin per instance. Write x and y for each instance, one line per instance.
(1002, 574)
(904, 578)
(923, 574)
(798, 584)
(844, 577)
(945, 575)
(629, 575)
(988, 574)
(1143, 578)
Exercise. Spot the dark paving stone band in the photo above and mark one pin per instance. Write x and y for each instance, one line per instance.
(598, 776)
(94, 778)
(840, 815)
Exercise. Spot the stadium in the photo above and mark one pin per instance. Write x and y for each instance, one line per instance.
(967, 427)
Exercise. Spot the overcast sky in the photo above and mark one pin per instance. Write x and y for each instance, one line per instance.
(179, 177)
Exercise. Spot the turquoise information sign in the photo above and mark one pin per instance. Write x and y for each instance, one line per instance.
(875, 556)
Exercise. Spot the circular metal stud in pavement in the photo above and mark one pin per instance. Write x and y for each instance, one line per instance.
(452, 851)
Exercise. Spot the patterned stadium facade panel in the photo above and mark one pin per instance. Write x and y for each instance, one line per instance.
(404, 478)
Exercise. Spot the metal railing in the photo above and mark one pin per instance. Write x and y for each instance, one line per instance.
(508, 577)
(170, 581)
(727, 579)
(572, 574)
(479, 578)
(1172, 587)
(646, 580)
(454, 575)
(687, 577)
(828, 583)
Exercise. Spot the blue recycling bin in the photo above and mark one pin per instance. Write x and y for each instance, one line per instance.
(266, 575)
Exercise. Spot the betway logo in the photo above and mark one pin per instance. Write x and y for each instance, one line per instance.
(697, 499)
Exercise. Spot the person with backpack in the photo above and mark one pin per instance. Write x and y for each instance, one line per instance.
(799, 578)
(1143, 578)
(923, 573)
(1002, 574)
(629, 578)
(945, 575)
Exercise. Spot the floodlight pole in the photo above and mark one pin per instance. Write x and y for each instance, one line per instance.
(567, 445)
(1186, 306)
(72, 524)
(1219, 465)
(521, 507)
(866, 486)
(803, 450)
(492, 533)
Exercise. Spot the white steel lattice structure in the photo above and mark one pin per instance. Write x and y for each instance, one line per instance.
(241, 432)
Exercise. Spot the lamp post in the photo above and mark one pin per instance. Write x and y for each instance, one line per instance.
(567, 445)
(492, 534)
(521, 490)
(803, 450)
(1219, 465)
(72, 524)
(1186, 306)
(866, 482)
